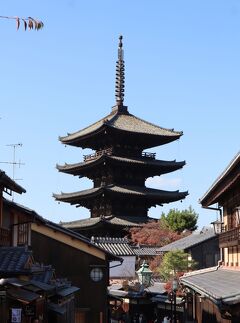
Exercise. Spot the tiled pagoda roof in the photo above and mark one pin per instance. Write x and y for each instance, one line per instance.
(152, 166)
(124, 122)
(123, 221)
(158, 196)
(7, 182)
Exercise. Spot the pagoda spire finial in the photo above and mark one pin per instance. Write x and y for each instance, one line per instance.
(120, 75)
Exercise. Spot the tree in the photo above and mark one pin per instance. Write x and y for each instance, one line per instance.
(154, 233)
(174, 264)
(28, 22)
(179, 221)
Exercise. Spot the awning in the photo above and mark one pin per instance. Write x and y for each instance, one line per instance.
(22, 295)
(67, 291)
(218, 284)
(43, 286)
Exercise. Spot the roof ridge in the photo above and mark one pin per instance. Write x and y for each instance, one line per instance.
(200, 271)
(101, 122)
(222, 174)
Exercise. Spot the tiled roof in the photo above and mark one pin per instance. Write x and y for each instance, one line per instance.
(145, 251)
(220, 285)
(213, 193)
(157, 166)
(127, 221)
(54, 226)
(159, 196)
(14, 260)
(7, 182)
(125, 122)
(22, 208)
(189, 241)
(117, 246)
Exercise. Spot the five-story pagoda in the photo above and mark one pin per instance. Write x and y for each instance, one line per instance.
(119, 166)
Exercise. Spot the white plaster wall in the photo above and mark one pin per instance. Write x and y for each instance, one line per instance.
(126, 270)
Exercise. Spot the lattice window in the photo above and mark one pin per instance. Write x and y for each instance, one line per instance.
(23, 233)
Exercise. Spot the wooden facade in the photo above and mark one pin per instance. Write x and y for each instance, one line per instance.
(72, 255)
(215, 292)
(226, 193)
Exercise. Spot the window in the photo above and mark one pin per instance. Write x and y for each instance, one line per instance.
(23, 231)
(96, 274)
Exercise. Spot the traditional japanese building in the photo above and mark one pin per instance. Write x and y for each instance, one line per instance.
(213, 293)
(119, 167)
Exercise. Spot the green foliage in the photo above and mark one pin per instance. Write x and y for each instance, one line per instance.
(175, 263)
(179, 221)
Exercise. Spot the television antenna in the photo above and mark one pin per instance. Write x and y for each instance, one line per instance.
(14, 163)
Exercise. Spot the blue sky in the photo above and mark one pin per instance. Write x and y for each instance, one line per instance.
(182, 72)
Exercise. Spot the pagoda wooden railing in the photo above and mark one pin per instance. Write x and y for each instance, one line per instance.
(5, 237)
(148, 155)
(229, 238)
(97, 154)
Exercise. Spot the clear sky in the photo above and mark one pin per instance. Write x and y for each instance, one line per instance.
(182, 61)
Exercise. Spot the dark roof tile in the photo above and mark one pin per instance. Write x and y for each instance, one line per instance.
(189, 241)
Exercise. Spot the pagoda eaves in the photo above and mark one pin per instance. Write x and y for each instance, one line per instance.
(121, 125)
(147, 166)
(158, 196)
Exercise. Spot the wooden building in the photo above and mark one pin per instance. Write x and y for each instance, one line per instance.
(7, 185)
(214, 294)
(72, 255)
(119, 167)
(30, 291)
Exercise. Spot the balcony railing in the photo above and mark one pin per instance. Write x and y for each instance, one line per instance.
(148, 155)
(109, 151)
(229, 238)
(5, 237)
(98, 154)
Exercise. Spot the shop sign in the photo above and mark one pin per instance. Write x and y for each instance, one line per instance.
(29, 310)
(16, 315)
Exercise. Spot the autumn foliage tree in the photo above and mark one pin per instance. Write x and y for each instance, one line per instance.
(154, 233)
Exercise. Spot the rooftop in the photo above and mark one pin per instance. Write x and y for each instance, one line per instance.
(214, 192)
(124, 122)
(117, 246)
(159, 196)
(220, 285)
(8, 183)
(127, 221)
(14, 260)
(161, 165)
(55, 226)
(192, 240)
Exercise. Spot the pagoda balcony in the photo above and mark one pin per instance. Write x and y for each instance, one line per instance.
(148, 155)
(97, 154)
(230, 238)
(5, 237)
